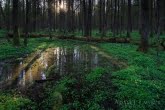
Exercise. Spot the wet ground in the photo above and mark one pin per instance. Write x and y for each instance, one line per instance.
(76, 60)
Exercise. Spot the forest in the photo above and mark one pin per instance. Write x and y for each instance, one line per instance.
(82, 54)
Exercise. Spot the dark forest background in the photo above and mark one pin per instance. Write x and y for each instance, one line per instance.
(84, 17)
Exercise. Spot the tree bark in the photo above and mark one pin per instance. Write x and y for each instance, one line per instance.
(50, 17)
(27, 23)
(16, 40)
(129, 22)
(144, 25)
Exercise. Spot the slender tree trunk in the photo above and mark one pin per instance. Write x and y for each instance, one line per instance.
(16, 39)
(85, 18)
(151, 18)
(2, 13)
(144, 25)
(50, 17)
(69, 16)
(114, 22)
(118, 17)
(111, 17)
(104, 18)
(129, 22)
(162, 15)
(44, 14)
(100, 16)
(27, 23)
(34, 14)
(8, 15)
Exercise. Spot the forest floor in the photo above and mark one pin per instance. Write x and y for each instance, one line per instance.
(139, 85)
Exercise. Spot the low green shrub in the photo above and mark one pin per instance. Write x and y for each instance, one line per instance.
(139, 89)
(86, 92)
(8, 102)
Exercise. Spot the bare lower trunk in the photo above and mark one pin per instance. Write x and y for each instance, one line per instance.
(144, 25)
(16, 40)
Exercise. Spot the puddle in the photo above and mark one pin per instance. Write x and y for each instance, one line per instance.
(75, 60)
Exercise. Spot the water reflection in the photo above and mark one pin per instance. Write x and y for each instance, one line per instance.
(66, 60)
(43, 76)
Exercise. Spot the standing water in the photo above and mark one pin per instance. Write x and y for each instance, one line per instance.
(66, 61)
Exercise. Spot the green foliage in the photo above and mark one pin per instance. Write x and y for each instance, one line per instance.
(143, 61)
(123, 52)
(9, 51)
(63, 83)
(135, 35)
(95, 74)
(162, 36)
(141, 85)
(56, 94)
(51, 71)
(162, 68)
(128, 53)
(86, 92)
(53, 101)
(8, 102)
(109, 34)
(139, 88)
(2, 33)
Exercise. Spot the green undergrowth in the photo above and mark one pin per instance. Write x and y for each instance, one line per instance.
(8, 51)
(10, 102)
(2, 33)
(88, 91)
(140, 86)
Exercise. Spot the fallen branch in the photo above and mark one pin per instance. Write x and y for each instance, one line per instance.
(45, 80)
(111, 40)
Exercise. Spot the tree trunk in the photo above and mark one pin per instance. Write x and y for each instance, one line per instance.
(129, 22)
(151, 18)
(50, 18)
(114, 22)
(2, 13)
(85, 18)
(8, 15)
(34, 11)
(144, 25)
(16, 39)
(27, 23)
